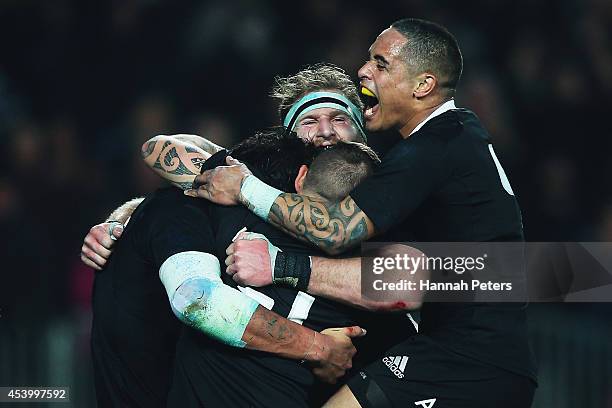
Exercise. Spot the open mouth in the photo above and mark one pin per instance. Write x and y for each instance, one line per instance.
(370, 101)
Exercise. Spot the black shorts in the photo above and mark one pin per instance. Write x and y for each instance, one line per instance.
(210, 374)
(420, 373)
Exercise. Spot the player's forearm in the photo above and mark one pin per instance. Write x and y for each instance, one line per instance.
(200, 142)
(233, 318)
(333, 227)
(177, 161)
(125, 211)
(271, 333)
(340, 280)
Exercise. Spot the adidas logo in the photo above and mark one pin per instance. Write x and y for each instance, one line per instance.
(396, 365)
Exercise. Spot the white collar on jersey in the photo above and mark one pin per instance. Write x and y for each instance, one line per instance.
(446, 106)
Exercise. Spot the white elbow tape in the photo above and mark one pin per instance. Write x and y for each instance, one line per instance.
(258, 196)
(183, 266)
(215, 309)
(200, 299)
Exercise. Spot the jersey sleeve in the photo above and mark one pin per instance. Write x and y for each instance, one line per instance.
(180, 227)
(410, 172)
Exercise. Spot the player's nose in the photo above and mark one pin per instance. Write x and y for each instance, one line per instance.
(364, 72)
(325, 129)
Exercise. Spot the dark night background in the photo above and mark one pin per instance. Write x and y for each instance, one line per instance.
(84, 83)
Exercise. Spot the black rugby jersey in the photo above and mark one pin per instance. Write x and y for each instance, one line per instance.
(314, 312)
(244, 377)
(134, 331)
(443, 184)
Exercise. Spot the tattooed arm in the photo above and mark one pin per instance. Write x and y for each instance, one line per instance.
(333, 227)
(177, 158)
(200, 299)
(329, 351)
(194, 140)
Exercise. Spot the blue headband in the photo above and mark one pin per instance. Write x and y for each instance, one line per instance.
(317, 100)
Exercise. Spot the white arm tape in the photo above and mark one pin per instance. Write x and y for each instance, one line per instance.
(200, 299)
(258, 196)
(187, 265)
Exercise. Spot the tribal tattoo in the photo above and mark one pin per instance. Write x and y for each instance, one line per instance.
(333, 227)
(174, 161)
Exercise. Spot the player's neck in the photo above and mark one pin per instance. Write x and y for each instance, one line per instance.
(418, 117)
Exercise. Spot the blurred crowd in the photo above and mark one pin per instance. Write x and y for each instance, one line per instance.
(84, 84)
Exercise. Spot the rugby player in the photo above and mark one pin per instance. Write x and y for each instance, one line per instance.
(327, 122)
(248, 379)
(442, 182)
(170, 237)
(178, 158)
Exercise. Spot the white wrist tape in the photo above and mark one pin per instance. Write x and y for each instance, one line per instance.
(258, 196)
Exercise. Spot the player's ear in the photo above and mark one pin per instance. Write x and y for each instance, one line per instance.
(425, 85)
(299, 180)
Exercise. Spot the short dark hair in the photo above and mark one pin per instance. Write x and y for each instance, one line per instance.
(288, 90)
(275, 155)
(431, 47)
(338, 169)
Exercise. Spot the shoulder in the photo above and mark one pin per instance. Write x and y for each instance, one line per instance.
(170, 203)
(455, 126)
(453, 133)
(451, 136)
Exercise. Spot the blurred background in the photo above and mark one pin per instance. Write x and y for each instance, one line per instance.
(83, 84)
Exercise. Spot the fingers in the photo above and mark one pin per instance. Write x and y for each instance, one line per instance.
(354, 331)
(98, 243)
(231, 161)
(116, 231)
(200, 192)
(95, 245)
(89, 263)
(89, 254)
(100, 234)
(231, 259)
(231, 270)
(238, 279)
(201, 179)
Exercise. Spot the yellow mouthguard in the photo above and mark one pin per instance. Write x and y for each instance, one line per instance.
(367, 92)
